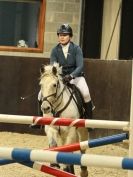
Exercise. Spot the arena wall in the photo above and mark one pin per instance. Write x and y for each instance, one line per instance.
(109, 82)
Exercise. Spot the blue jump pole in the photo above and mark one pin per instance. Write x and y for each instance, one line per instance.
(108, 140)
(6, 161)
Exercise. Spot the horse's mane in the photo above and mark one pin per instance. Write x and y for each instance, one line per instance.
(49, 70)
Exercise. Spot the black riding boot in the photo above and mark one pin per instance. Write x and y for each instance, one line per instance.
(88, 110)
(39, 114)
(89, 107)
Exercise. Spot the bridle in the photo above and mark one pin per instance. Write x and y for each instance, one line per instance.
(57, 97)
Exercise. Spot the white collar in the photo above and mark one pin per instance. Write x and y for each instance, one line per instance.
(65, 49)
(65, 46)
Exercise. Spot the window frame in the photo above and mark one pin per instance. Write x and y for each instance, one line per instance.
(41, 27)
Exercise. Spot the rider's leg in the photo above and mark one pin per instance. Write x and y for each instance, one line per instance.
(80, 82)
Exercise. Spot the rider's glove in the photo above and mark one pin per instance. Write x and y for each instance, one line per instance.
(67, 78)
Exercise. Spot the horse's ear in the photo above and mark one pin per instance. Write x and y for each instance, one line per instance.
(54, 70)
(42, 69)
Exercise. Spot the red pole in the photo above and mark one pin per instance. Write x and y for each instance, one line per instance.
(55, 172)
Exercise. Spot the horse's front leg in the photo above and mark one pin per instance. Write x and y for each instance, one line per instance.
(84, 171)
(52, 135)
(70, 138)
(83, 135)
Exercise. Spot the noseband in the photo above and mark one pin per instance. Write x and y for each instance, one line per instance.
(55, 96)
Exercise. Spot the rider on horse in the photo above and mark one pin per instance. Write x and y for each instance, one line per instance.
(70, 57)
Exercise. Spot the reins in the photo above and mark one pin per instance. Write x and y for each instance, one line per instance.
(57, 114)
(29, 96)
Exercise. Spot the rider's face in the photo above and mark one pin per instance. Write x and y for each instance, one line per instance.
(64, 38)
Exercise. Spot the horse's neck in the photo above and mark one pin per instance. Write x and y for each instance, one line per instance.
(60, 102)
(71, 109)
(65, 94)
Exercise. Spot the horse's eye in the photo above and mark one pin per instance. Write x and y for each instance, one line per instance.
(54, 85)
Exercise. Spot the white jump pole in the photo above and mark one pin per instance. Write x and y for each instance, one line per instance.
(130, 173)
(105, 124)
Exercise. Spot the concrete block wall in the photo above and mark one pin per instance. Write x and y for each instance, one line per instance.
(59, 12)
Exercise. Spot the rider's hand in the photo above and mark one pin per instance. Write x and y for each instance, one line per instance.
(67, 78)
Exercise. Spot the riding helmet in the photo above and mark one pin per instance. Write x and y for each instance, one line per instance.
(65, 29)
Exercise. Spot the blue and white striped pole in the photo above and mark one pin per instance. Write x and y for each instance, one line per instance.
(27, 155)
(82, 145)
(108, 140)
(92, 143)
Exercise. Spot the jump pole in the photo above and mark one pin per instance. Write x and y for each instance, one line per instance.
(28, 155)
(6, 162)
(91, 143)
(130, 173)
(105, 124)
(69, 148)
(83, 145)
(40, 167)
(47, 169)
(50, 170)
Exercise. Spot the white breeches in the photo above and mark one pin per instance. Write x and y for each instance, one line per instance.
(80, 82)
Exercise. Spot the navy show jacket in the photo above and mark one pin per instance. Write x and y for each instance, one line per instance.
(73, 64)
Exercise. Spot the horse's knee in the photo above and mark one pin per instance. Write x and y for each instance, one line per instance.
(52, 143)
(72, 136)
(83, 134)
(51, 135)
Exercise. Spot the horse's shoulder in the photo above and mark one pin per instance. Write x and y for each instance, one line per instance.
(79, 98)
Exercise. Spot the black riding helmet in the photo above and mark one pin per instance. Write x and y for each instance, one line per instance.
(65, 29)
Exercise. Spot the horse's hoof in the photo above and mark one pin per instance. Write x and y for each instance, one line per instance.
(84, 173)
(69, 169)
(55, 165)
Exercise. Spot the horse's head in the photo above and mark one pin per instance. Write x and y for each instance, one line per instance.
(49, 82)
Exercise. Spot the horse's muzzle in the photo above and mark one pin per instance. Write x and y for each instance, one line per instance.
(46, 107)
